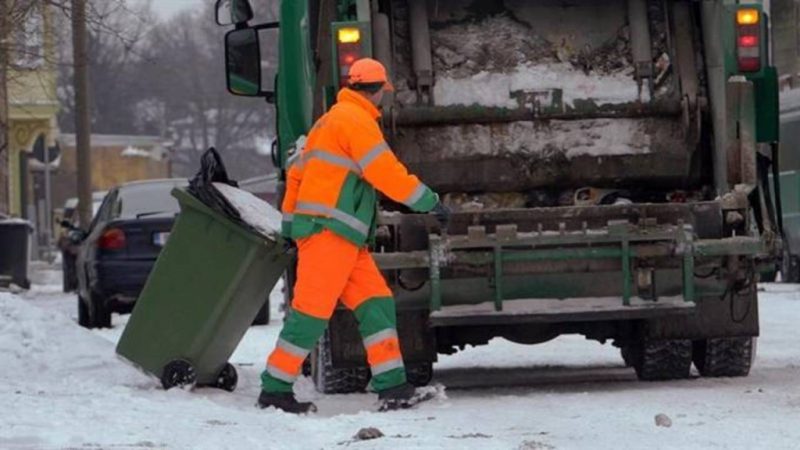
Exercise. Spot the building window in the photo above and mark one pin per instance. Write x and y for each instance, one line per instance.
(30, 38)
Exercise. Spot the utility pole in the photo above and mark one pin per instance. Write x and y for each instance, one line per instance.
(4, 121)
(82, 125)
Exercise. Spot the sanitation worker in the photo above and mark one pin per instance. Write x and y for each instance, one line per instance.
(329, 210)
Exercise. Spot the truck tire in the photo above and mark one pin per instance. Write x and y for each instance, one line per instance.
(663, 360)
(419, 374)
(626, 351)
(330, 380)
(262, 318)
(724, 357)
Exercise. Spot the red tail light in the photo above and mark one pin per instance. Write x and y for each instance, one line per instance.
(748, 39)
(112, 239)
(348, 54)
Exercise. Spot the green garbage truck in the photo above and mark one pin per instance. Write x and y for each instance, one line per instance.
(607, 161)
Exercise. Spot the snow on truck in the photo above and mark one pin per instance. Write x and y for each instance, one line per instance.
(607, 162)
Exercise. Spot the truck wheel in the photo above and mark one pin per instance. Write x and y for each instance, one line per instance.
(178, 373)
(724, 357)
(330, 380)
(262, 318)
(663, 360)
(419, 374)
(227, 378)
(626, 351)
(84, 319)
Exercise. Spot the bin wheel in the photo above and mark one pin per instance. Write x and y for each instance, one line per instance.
(178, 373)
(227, 378)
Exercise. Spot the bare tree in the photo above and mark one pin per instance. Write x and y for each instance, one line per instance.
(184, 73)
(24, 46)
(115, 43)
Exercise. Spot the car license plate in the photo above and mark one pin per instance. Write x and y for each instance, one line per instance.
(160, 239)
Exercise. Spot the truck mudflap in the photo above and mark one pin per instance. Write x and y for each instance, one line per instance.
(621, 271)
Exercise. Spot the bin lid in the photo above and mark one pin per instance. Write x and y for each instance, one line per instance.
(253, 211)
(11, 221)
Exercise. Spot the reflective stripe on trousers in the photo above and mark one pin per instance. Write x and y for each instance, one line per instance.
(286, 362)
(383, 351)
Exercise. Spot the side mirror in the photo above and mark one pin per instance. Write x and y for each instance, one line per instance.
(243, 62)
(229, 12)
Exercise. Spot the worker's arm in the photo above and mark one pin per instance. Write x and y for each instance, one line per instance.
(293, 177)
(381, 168)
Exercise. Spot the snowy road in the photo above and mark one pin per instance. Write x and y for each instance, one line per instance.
(63, 387)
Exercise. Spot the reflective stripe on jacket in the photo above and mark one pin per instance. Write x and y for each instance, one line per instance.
(331, 182)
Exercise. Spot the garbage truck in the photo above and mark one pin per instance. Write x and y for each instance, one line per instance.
(607, 163)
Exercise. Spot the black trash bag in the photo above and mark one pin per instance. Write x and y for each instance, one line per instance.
(212, 170)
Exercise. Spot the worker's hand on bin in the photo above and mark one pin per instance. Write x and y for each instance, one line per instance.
(442, 214)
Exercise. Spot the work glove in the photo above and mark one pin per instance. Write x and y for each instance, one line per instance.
(442, 214)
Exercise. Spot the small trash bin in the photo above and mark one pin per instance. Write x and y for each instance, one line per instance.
(206, 287)
(15, 245)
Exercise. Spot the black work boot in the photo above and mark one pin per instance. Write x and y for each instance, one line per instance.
(285, 401)
(399, 397)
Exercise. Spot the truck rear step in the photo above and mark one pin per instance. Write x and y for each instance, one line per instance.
(555, 310)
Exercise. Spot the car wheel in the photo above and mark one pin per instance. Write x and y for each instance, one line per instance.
(101, 314)
(84, 318)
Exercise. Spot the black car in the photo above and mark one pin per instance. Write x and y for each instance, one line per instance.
(121, 247)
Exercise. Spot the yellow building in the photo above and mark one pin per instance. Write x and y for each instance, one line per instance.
(33, 104)
(116, 159)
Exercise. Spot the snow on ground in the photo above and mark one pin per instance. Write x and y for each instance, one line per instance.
(63, 387)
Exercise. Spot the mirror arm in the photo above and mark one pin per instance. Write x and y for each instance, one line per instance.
(266, 26)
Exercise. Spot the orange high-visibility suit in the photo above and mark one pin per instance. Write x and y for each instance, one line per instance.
(329, 209)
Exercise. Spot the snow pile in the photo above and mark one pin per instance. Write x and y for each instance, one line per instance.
(254, 211)
(64, 388)
(132, 151)
(485, 60)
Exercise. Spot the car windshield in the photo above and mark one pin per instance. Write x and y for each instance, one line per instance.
(147, 199)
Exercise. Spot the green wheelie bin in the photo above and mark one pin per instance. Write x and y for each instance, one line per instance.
(206, 287)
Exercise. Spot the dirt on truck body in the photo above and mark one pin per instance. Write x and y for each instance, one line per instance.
(606, 161)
